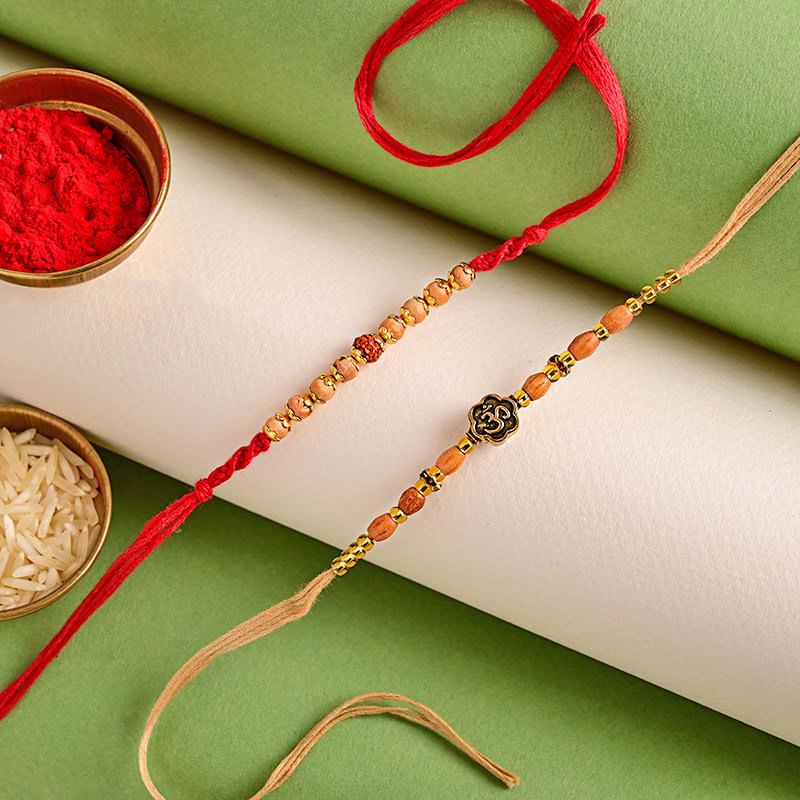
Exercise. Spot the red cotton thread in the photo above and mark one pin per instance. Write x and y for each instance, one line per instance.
(575, 46)
(68, 193)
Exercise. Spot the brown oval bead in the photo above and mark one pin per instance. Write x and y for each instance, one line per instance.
(449, 461)
(462, 277)
(410, 501)
(416, 308)
(584, 345)
(537, 385)
(617, 319)
(381, 528)
(300, 405)
(321, 389)
(439, 293)
(347, 367)
(397, 329)
(274, 425)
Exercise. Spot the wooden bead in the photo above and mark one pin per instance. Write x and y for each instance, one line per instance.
(322, 389)
(395, 327)
(381, 528)
(300, 405)
(277, 427)
(416, 308)
(449, 461)
(437, 293)
(584, 345)
(537, 385)
(463, 276)
(410, 501)
(617, 319)
(346, 367)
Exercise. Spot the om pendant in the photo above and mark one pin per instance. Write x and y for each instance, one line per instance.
(493, 420)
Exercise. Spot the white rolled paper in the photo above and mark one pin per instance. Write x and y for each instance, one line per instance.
(646, 513)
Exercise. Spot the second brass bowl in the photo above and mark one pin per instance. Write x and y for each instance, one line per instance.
(135, 128)
(18, 418)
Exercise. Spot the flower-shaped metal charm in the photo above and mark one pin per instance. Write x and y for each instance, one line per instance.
(494, 419)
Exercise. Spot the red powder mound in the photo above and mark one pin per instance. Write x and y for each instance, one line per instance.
(68, 194)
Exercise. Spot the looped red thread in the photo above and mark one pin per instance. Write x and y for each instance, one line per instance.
(575, 46)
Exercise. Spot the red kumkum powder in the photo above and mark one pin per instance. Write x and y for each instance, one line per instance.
(68, 194)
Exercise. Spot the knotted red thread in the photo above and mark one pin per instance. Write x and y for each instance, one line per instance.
(155, 532)
(575, 46)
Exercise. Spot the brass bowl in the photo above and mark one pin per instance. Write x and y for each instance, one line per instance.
(135, 129)
(18, 418)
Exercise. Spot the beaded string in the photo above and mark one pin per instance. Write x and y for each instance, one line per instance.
(575, 47)
(492, 421)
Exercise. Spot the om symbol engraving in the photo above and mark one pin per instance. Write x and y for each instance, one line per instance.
(494, 419)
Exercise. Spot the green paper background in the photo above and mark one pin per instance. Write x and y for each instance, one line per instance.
(572, 727)
(712, 90)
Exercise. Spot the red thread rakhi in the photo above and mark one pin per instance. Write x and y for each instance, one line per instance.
(575, 46)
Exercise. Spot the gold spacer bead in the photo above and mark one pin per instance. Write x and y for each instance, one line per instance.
(398, 318)
(423, 487)
(408, 320)
(436, 474)
(649, 294)
(452, 282)
(365, 542)
(358, 355)
(336, 375)
(424, 301)
(397, 514)
(601, 331)
(445, 284)
(465, 445)
(426, 296)
(662, 284)
(552, 372)
(270, 434)
(522, 398)
(635, 305)
(356, 551)
(292, 416)
(568, 359)
(673, 278)
(337, 565)
(386, 335)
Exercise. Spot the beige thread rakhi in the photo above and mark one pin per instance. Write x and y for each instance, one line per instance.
(491, 421)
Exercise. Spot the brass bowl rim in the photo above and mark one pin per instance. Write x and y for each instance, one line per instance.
(62, 426)
(44, 279)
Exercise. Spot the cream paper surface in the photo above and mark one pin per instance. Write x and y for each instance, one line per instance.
(645, 514)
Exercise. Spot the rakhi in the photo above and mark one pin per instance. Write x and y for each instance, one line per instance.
(492, 421)
(575, 46)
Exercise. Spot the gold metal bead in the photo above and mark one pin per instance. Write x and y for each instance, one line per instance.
(452, 282)
(436, 474)
(465, 445)
(635, 305)
(673, 278)
(649, 294)
(292, 416)
(552, 372)
(336, 375)
(365, 542)
(568, 359)
(522, 398)
(356, 551)
(423, 487)
(445, 284)
(426, 296)
(397, 514)
(601, 331)
(398, 318)
(408, 320)
(337, 565)
(386, 335)
(358, 355)
(662, 284)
